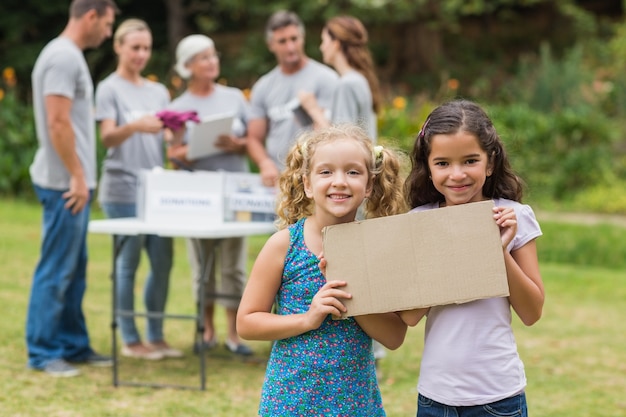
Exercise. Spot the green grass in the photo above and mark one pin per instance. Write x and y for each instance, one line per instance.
(575, 357)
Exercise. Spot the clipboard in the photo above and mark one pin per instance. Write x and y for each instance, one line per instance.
(202, 136)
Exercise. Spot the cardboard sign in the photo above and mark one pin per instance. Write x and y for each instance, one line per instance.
(436, 257)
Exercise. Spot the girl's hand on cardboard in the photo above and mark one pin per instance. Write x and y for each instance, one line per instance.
(327, 301)
(506, 219)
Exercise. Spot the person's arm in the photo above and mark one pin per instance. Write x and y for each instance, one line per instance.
(412, 317)
(309, 104)
(388, 328)
(255, 321)
(526, 289)
(257, 130)
(58, 110)
(113, 135)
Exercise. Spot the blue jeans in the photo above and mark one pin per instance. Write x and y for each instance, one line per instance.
(55, 323)
(160, 254)
(514, 406)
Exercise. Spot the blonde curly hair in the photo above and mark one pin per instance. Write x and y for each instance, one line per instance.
(384, 168)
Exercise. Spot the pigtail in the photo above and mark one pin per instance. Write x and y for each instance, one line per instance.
(293, 203)
(387, 197)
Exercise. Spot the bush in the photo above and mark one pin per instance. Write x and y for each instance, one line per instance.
(19, 142)
(559, 154)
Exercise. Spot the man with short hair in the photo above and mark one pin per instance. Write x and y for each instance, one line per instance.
(64, 177)
(276, 115)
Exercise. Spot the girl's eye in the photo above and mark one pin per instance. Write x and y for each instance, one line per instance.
(441, 163)
(353, 172)
(471, 161)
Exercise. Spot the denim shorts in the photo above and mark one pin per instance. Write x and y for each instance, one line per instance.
(509, 407)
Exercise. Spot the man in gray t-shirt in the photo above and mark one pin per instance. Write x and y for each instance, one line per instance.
(64, 177)
(276, 118)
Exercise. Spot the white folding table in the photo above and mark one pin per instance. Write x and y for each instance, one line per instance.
(209, 230)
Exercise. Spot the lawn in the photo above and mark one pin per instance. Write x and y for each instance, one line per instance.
(575, 356)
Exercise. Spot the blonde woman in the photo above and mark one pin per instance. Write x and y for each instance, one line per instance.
(126, 104)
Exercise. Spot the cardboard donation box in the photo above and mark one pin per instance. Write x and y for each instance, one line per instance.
(202, 197)
(247, 199)
(449, 255)
(187, 197)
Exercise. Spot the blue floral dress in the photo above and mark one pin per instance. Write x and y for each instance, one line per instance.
(325, 372)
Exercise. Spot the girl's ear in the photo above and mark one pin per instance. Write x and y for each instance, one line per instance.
(370, 186)
(307, 187)
(490, 165)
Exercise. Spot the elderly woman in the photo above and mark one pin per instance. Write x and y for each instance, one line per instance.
(198, 63)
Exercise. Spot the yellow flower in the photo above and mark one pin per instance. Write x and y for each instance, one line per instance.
(176, 82)
(1, 94)
(9, 76)
(152, 77)
(399, 103)
(246, 93)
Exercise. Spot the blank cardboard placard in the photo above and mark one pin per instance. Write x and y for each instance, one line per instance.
(435, 257)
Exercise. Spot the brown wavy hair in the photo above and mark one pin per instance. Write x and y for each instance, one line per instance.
(353, 38)
(448, 119)
(384, 167)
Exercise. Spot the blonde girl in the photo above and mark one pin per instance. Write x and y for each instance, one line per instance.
(320, 366)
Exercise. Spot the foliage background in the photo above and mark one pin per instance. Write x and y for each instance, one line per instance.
(558, 97)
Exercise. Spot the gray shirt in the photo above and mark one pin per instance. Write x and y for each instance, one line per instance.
(61, 70)
(275, 96)
(223, 100)
(352, 102)
(122, 101)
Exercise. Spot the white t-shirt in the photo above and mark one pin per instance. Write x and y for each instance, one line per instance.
(470, 355)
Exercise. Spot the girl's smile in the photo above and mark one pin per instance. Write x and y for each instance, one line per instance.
(339, 179)
(458, 167)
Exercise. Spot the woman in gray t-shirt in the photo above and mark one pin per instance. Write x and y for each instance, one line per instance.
(357, 96)
(198, 63)
(126, 104)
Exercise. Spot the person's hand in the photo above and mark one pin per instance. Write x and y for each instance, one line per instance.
(231, 143)
(507, 221)
(148, 124)
(269, 173)
(78, 195)
(322, 264)
(327, 301)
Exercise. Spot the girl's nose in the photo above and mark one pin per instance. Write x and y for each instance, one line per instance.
(339, 179)
(457, 172)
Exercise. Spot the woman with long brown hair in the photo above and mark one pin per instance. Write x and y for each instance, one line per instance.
(357, 98)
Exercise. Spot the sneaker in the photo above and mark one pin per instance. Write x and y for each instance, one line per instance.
(140, 351)
(60, 369)
(166, 350)
(205, 345)
(96, 359)
(238, 348)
